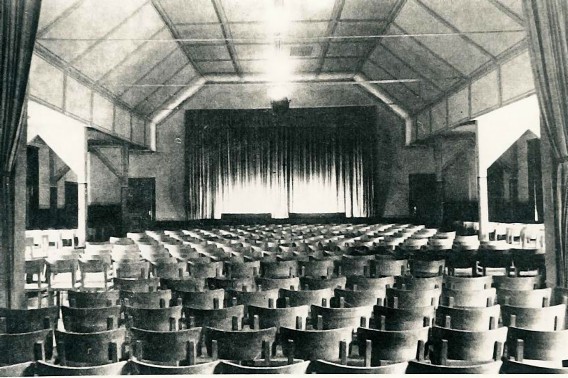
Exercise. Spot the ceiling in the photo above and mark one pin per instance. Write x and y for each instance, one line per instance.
(145, 52)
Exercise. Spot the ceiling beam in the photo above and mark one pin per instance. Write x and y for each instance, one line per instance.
(107, 163)
(450, 26)
(226, 30)
(60, 17)
(161, 114)
(508, 11)
(335, 16)
(372, 61)
(174, 32)
(393, 14)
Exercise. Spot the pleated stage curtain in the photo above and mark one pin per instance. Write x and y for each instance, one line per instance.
(547, 31)
(18, 27)
(304, 161)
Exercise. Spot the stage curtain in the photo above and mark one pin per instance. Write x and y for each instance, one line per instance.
(18, 26)
(303, 161)
(548, 47)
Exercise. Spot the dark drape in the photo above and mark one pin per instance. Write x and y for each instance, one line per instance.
(548, 46)
(18, 26)
(304, 161)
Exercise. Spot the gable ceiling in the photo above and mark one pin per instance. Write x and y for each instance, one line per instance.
(145, 52)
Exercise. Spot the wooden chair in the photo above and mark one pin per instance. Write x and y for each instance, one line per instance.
(316, 268)
(276, 317)
(357, 298)
(155, 319)
(480, 346)
(240, 269)
(24, 369)
(84, 298)
(171, 348)
(270, 366)
(537, 319)
(426, 268)
(57, 272)
(467, 283)
(242, 344)
(185, 284)
(454, 367)
(133, 269)
(220, 318)
(524, 298)
(313, 344)
(88, 320)
(91, 349)
(202, 366)
(418, 283)
(48, 369)
(230, 283)
(170, 270)
(202, 299)
(401, 319)
(357, 366)
(201, 269)
(28, 320)
(468, 319)
(35, 267)
(388, 266)
(399, 298)
(17, 348)
(306, 297)
(89, 267)
(258, 296)
(340, 317)
(353, 265)
(515, 367)
(150, 299)
(518, 283)
(278, 283)
(365, 282)
(315, 283)
(279, 268)
(393, 346)
(473, 298)
(137, 284)
(536, 345)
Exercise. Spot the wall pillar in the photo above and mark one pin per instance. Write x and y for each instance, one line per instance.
(52, 189)
(439, 170)
(483, 196)
(82, 215)
(124, 154)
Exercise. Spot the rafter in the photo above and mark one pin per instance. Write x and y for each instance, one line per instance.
(107, 163)
(60, 173)
(508, 11)
(174, 32)
(393, 14)
(62, 16)
(335, 16)
(450, 26)
(226, 30)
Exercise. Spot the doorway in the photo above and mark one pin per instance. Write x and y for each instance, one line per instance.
(141, 204)
(71, 209)
(422, 204)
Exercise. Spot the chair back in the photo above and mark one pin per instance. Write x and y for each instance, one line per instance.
(394, 346)
(238, 345)
(401, 319)
(87, 320)
(468, 319)
(90, 349)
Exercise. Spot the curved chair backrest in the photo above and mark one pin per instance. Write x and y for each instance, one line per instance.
(330, 318)
(518, 283)
(133, 269)
(279, 269)
(525, 298)
(270, 367)
(389, 266)
(457, 367)
(468, 319)
(278, 283)
(221, 318)
(208, 299)
(185, 284)
(467, 345)
(354, 265)
(238, 345)
(17, 348)
(170, 270)
(363, 282)
(255, 298)
(317, 268)
(236, 269)
(400, 319)
(550, 318)
(516, 367)
(470, 298)
(393, 346)
(230, 283)
(205, 368)
(427, 268)
(87, 320)
(205, 269)
(47, 369)
(356, 366)
(164, 346)
(467, 283)
(399, 298)
(137, 284)
(537, 345)
(306, 297)
(357, 298)
(90, 349)
(314, 344)
(419, 283)
(277, 317)
(34, 319)
(155, 319)
(93, 298)
(315, 283)
(150, 299)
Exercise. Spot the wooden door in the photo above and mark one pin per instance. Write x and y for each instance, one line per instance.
(71, 208)
(141, 203)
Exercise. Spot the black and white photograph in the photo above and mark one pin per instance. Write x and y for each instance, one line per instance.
(283, 187)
